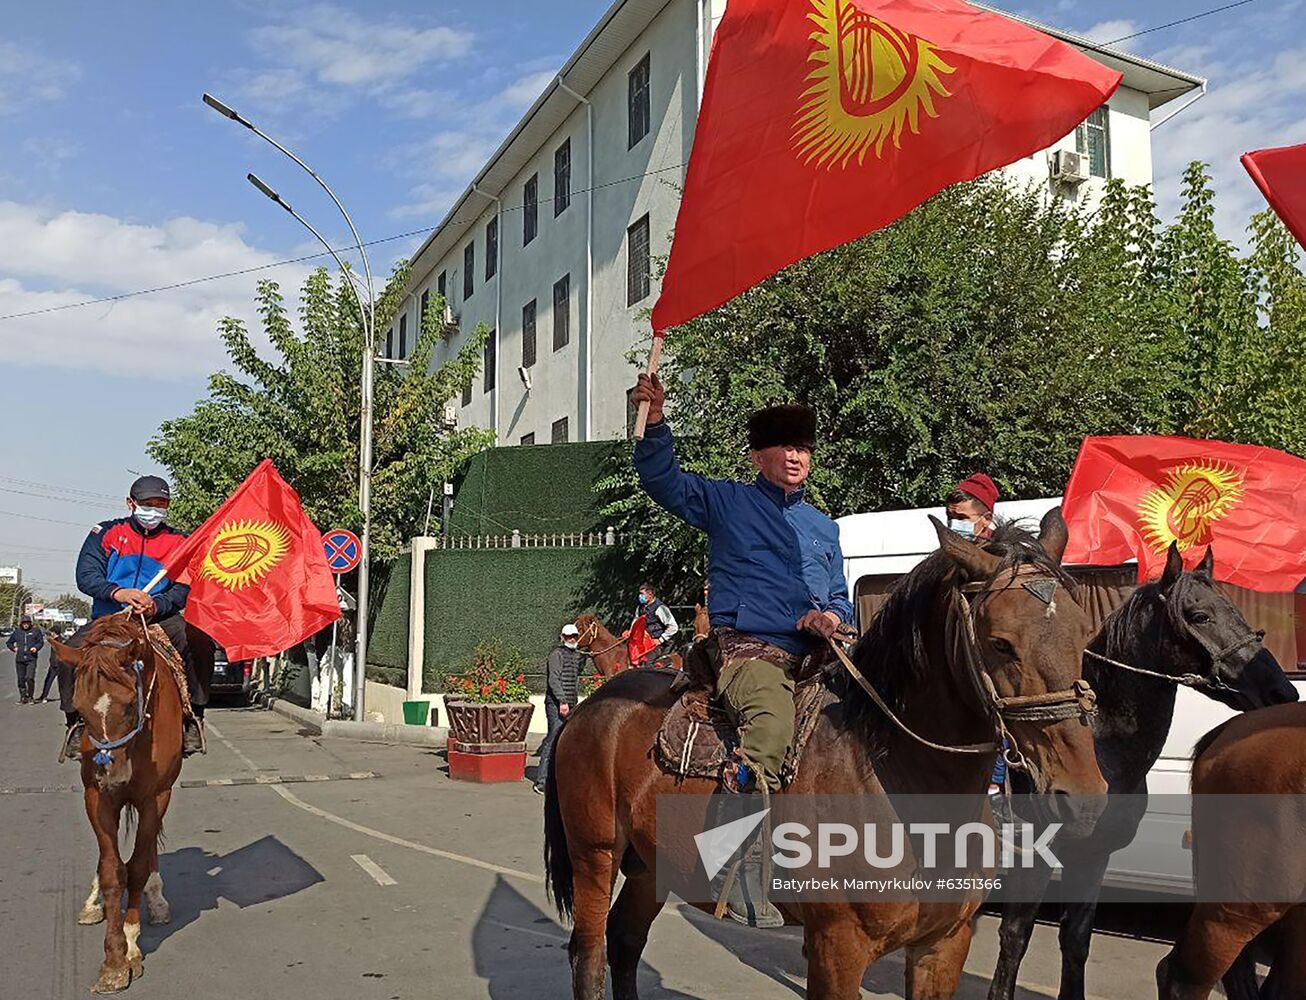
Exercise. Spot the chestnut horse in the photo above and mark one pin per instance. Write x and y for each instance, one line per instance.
(131, 756)
(947, 667)
(610, 653)
(1263, 754)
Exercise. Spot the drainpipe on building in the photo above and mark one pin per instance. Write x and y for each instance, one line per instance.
(586, 340)
(700, 33)
(498, 304)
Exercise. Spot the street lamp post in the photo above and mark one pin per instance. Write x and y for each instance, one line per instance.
(368, 315)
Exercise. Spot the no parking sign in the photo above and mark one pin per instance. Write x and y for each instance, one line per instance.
(343, 550)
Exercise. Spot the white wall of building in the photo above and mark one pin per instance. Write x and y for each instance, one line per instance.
(628, 184)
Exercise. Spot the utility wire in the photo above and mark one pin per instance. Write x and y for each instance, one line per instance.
(1182, 20)
(307, 257)
(48, 520)
(87, 501)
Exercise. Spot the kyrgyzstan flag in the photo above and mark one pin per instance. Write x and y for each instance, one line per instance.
(258, 576)
(1131, 497)
(1281, 175)
(824, 120)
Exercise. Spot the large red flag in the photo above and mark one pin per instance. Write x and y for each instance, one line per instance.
(1131, 497)
(1281, 175)
(259, 580)
(823, 120)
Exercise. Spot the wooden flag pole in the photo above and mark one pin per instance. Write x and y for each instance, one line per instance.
(654, 356)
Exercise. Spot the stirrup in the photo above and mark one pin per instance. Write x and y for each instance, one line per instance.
(743, 896)
(72, 741)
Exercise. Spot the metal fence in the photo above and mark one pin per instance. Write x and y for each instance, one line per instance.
(518, 540)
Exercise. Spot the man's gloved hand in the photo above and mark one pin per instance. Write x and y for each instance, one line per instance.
(649, 388)
(822, 623)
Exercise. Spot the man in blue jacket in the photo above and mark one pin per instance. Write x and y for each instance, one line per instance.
(117, 561)
(26, 642)
(775, 574)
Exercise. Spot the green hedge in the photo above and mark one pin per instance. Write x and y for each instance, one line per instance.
(521, 597)
(539, 488)
(387, 644)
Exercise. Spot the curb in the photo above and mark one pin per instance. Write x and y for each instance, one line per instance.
(372, 732)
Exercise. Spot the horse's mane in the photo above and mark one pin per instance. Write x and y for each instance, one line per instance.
(893, 651)
(1122, 625)
(110, 628)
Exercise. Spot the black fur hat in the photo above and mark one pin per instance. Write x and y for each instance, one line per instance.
(791, 424)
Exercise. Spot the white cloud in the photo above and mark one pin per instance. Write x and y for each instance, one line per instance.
(331, 49)
(28, 78)
(521, 94)
(1108, 31)
(56, 258)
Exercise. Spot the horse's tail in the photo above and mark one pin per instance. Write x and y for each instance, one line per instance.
(557, 858)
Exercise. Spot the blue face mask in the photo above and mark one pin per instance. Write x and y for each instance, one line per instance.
(966, 529)
(643, 597)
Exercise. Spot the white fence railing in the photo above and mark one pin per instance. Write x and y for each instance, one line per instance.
(522, 540)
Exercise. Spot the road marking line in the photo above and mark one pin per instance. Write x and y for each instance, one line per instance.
(560, 938)
(389, 838)
(373, 869)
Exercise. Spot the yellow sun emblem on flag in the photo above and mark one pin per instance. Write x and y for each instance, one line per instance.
(869, 82)
(1183, 508)
(243, 552)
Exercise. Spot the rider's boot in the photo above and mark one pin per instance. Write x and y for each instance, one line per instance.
(192, 736)
(72, 744)
(745, 886)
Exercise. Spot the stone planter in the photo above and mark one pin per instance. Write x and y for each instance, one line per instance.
(487, 743)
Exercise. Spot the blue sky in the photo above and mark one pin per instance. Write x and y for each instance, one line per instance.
(114, 177)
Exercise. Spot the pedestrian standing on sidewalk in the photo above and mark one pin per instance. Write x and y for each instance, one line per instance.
(51, 671)
(561, 691)
(25, 643)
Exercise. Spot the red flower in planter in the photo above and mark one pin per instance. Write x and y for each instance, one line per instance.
(521, 678)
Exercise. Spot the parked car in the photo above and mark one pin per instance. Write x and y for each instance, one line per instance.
(231, 678)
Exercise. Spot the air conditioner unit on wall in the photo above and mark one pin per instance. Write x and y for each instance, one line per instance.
(1069, 167)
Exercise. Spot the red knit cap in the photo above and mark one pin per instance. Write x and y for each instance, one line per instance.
(982, 488)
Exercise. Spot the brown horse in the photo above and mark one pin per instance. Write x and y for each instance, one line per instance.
(1025, 635)
(610, 653)
(131, 757)
(1263, 754)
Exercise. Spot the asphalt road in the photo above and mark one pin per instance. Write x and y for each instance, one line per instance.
(400, 885)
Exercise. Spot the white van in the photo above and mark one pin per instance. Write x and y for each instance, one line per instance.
(879, 548)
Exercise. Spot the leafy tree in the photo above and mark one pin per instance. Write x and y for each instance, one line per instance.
(989, 329)
(302, 410)
(78, 605)
(13, 599)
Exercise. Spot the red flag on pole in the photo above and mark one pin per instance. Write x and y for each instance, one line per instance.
(1131, 497)
(824, 120)
(258, 576)
(1280, 173)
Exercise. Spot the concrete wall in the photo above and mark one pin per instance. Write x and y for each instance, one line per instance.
(386, 704)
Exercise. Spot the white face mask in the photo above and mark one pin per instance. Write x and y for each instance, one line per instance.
(569, 643)
(150, 518)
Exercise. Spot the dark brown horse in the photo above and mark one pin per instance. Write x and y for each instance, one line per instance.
(1262, 754)
(610, 653)
(131, 756)
(1026, 635)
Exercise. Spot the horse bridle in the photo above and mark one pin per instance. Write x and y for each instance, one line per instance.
(589, 635)
(104, 748)
(1200, 682)
(1078, 701)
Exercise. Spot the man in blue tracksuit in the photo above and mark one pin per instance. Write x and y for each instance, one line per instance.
(775, 575)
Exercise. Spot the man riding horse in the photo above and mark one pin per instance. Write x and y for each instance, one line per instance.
(775, 572)
(118, 558)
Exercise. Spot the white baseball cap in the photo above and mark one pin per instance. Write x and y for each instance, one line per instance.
(570, 629)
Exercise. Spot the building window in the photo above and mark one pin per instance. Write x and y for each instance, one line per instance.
(442, 285)
(469, 269)
(637, 262)
(638, 111)
(390, 343)
(421, 315)
(467, 394)
(562, 178)
(1093, 138)
(528, 334)
(491, 248)
(530, 216)
(489, 363)
(559, 433)
(528, 439)
(562, 312)
(403, 336)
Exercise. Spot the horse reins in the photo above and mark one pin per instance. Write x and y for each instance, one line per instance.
(104, 748)
(592, 631)
(1076, 702)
